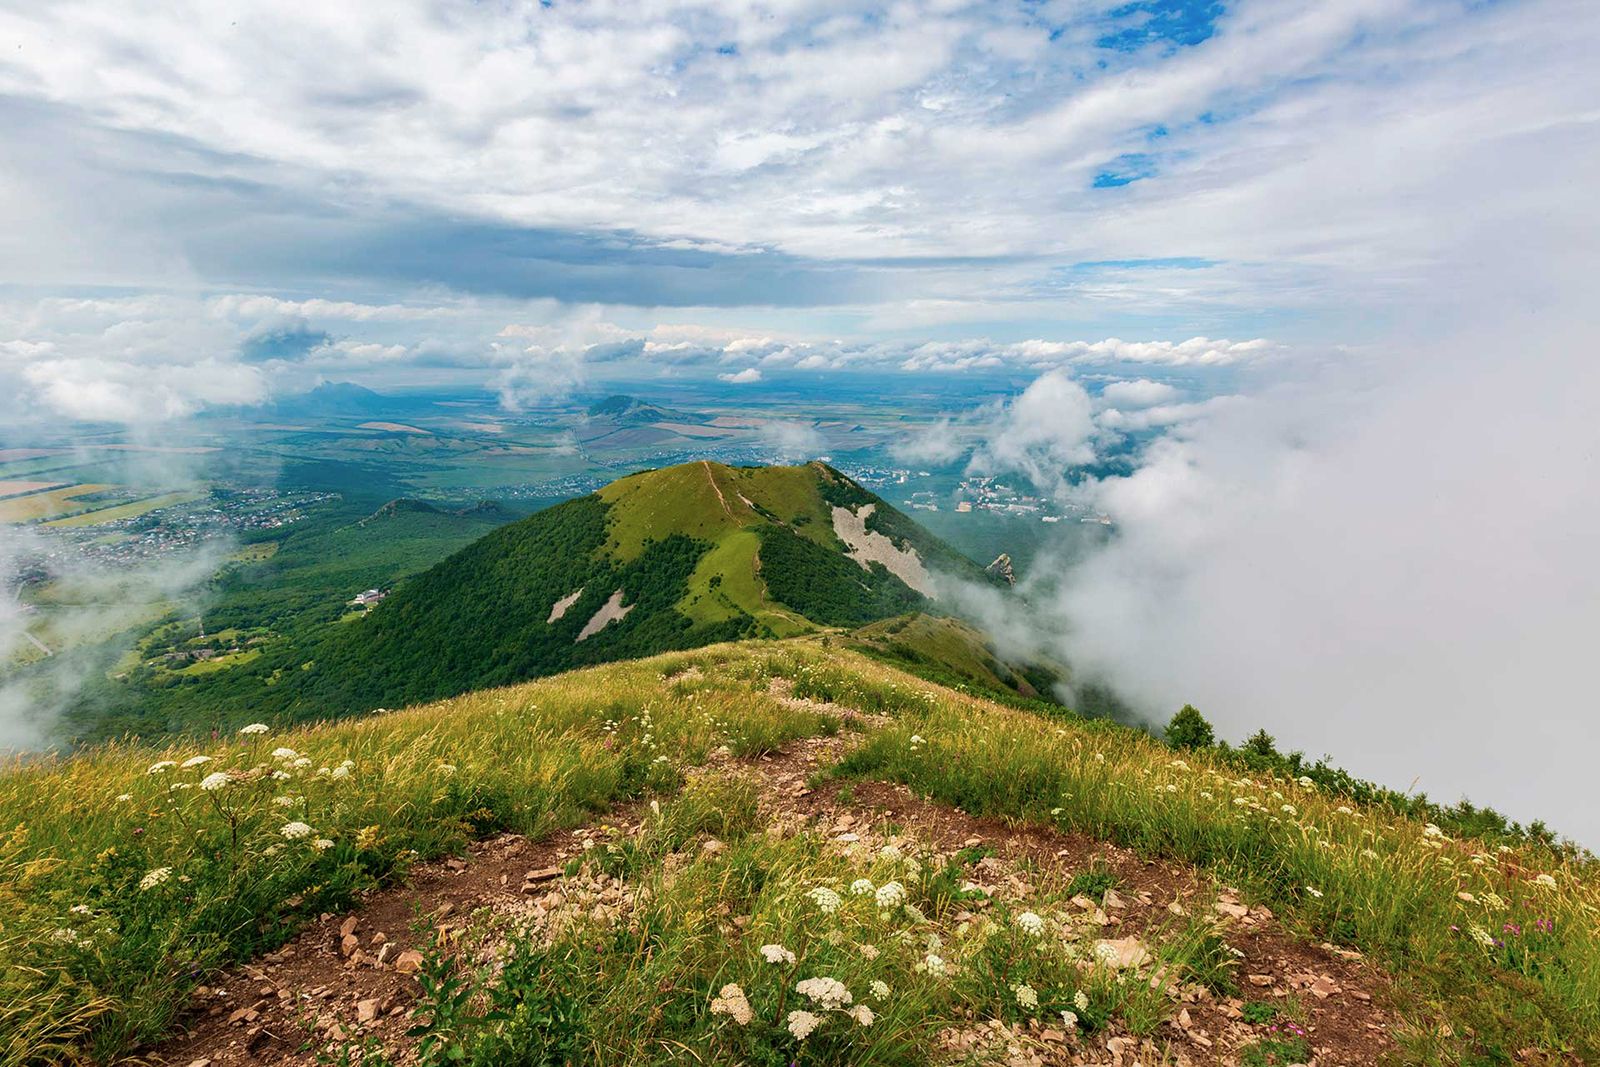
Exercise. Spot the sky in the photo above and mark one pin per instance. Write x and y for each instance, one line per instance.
(1340, 254)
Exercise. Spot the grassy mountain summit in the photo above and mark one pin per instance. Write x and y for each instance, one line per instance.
(723, 854)
(660, 560)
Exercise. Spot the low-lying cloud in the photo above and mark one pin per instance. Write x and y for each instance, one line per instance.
(1390, 561)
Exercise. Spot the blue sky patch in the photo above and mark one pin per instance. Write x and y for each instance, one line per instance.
(1170, 23)
(1125, 170)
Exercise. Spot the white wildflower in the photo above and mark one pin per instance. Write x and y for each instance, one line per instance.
(294, 831)
(342, 771)
(1480, 935)
(254, 728)
(862, 887)
(880, 989)
(826, 900)
(1306, 782)
(155, 877)
(123, 798)
(1345, 809)
(215, 781)
(322, 844)
(890, 895)
(284, 753)
(1080, 1000)
(1431, 830)
(1547, 880)
(732, 1002)
(801, 1023)
(1027, 997)
(1031, 923)
(869, 952)
(283, 801)
(828, 992)
(281, 776)
(862, 1015)
(776, 954)
(1314, 891)
(1289, 809)
(195, 761)
(300, 763)
(1069, 1020)
(162, 767)
(932, 964)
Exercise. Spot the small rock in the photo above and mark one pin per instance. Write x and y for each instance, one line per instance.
(408, 962)
(1260, 979)
(348, 944)
(367, 1011)
(348, 927)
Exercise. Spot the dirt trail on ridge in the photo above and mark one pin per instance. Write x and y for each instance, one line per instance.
(352, 977)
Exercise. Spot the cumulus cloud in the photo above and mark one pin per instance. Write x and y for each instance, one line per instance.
(1140, 393)
(791, 442)
(938, 444)
(744, 377)
(1046, 430)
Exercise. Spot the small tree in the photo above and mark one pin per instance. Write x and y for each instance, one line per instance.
(1261, 743)
(1189, 729)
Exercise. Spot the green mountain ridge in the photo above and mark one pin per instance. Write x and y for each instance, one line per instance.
(665, 559)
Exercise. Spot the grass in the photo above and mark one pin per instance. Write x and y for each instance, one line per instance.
(123, 881)
(1493, 950)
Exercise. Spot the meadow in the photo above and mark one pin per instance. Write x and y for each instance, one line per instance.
(129, 874)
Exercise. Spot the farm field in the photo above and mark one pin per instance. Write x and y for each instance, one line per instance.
(47, 505)
(130, 510)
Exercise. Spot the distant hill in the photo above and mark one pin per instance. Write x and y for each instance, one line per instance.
(665, 559)
(336, 398)
(631, 411)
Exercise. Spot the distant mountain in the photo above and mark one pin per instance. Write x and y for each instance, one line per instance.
(665, 559)
(336, 398)
(631, 411)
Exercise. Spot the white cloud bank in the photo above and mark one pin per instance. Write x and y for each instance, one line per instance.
(1391, 561)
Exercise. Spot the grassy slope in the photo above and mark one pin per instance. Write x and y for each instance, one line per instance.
(538, 756)
(951, 652)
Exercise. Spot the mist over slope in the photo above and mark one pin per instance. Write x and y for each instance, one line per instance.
(1388, 558)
